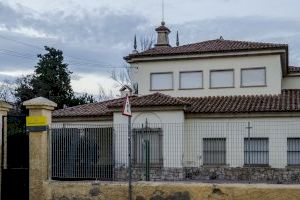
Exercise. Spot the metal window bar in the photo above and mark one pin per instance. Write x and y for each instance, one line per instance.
(256, 151)
(154, 137)
(293, 151)
(214, 151)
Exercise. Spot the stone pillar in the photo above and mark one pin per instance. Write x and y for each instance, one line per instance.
(38, 147)
(4, 108)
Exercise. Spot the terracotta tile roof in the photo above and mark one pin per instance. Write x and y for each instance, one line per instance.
(105, 108)
(91, 110)
(294, 69)
(210, 46)
(155, 99)
(287, 101)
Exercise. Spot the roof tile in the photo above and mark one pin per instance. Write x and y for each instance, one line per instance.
(287, 101)
(210, 46)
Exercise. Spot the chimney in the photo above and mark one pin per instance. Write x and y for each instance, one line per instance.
(162, 36)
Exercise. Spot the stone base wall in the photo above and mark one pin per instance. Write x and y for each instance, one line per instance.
(156, 174)
(253, 174)
(230, 174)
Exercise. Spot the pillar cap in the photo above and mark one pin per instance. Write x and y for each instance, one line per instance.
(40, 103)
(5, 106)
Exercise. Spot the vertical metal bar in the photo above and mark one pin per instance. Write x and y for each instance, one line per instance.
(49, 154)
(147, 152)
(129, 159)
(249, 148)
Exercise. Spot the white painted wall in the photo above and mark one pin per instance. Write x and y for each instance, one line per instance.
(82, 123)
(271, 62)
(234, 130)
(171, 123)
(291, 82)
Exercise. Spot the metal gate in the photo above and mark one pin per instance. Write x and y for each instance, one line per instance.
(81, 153)
(15, 159)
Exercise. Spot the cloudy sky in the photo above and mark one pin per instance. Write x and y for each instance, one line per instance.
(95, 34)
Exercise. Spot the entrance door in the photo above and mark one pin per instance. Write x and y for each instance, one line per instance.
(15, 173)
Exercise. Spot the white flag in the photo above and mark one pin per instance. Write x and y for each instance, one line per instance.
(127, 107)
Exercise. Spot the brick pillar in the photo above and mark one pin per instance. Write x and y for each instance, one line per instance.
(38, 147)
(4, 108)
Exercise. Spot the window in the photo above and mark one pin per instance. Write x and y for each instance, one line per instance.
(214, 151)
(293, 151)
(162, 81)
(191, 80)
(253, 77)
(256, 151)
(147, 143)
(222, 79)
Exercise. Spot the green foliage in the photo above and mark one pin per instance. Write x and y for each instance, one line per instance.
(83, 99)
(51, 79)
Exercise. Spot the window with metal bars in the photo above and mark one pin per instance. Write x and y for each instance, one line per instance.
(256, 151)
(152, 137)
(293, 151)
(214, 151)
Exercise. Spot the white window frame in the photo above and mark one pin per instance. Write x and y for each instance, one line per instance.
(221, 70)
(254, 68)
(155, 73)
(191, 88)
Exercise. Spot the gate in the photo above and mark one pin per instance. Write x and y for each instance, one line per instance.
(84, 152)
(15, 159)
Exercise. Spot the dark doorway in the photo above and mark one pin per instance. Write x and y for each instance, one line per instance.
(15, 172)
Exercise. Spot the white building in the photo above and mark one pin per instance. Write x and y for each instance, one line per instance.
(217, 105)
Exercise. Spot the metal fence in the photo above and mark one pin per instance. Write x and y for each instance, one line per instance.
(224, 150)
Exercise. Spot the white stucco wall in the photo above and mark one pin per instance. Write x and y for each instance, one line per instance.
(291, 82)
(271, 62)
(76, 124)
(171, 123)
(234, 130)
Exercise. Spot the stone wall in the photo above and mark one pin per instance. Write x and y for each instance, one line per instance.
(228, 174)
(254, 174)
(54, 190)
(156, 174)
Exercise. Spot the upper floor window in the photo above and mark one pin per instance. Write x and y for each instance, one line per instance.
(222, 78)
(161, 81)
(191, 80)
(253, 77)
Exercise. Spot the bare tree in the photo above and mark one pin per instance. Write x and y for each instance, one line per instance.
(104, 95)
(7, 91)
(122, 76)
(146, 42)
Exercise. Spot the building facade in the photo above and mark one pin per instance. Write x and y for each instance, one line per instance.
(217, 109)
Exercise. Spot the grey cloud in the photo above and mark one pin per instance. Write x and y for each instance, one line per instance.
(104, 36)
(251, 28)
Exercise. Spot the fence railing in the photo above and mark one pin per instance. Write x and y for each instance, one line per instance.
(256, 151)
